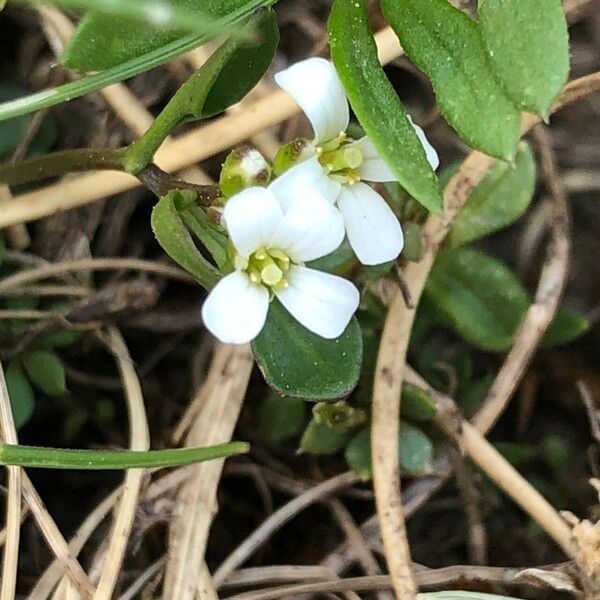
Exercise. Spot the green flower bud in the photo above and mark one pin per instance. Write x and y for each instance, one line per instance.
(244, 167)
(338, 416)
(292, 153)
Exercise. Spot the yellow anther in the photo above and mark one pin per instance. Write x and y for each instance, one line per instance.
(260, 254)
(271, 274)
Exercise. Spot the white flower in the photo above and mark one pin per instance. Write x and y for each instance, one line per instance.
(337, 165)
(272, 240)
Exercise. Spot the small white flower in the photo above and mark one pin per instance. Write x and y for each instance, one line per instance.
(272, 240)
(338, 165)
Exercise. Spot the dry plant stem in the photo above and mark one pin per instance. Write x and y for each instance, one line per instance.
(501, 580)
(278, 519)
(51, 576)
(547, 297)
(13, 500)
(186, 150)
(223, 393)
(139, 440)
(56, 541)
(94, 264)
(477, 538)
(392, 354)
(490, 461)
(53, 573)
(354, 536)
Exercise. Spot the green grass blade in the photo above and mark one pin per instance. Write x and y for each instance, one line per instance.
(98, 81)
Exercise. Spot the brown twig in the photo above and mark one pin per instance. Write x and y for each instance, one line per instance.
(394, 343)
(547, 297)
(477, 537)
(222, 393)
(278, 519)
(13, 502)
(94, 264)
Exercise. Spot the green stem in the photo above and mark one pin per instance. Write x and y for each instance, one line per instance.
(98, 81)
(58, 163)
(61, 458)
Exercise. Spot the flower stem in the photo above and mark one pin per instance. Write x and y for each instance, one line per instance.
(58, 163)
(62, 458)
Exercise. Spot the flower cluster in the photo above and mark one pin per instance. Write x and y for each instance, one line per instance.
(304, 214)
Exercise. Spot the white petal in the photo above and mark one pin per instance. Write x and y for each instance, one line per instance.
(236, 309)
(323, 303)
(372, 228)
(373, 167)
(316, 87)
(432, 155)
(306, 178)
(311, 228)
(251, 218)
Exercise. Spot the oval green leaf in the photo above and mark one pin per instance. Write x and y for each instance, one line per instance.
(415, 452)
(102, 41)
(20, 392)
(281, 417)
(296, 362)
(567, 326)
(176, 240)
(446, 44)
(479, 296)
(528, 45)
(498, 200)
(376, 104)
(46, 371)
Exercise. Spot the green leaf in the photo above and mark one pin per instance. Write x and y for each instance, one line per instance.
(213, 240)
(46, 371)
(566, 326)
(121, 71)
(281, 417)
(376, 104)
(528, 45)
(296, 362)
(102, 41)
(62, 458)
(319, 439)
(358, 454)
(20, 392)
(230, 72)
(246, 66)
(498, 200)
(176, 240)
(479, 295)
(58, 339)
(446, 44)
(336, 261)
(417, 404)
(415, 452)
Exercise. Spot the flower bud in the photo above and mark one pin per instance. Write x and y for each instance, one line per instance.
(292, 153)
(338, 416)
(244, 167)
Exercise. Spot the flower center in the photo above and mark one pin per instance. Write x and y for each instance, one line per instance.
(266, 266)
(341, 158)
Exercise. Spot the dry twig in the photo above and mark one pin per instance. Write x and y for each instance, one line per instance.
(394, 343)
(222, 394)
